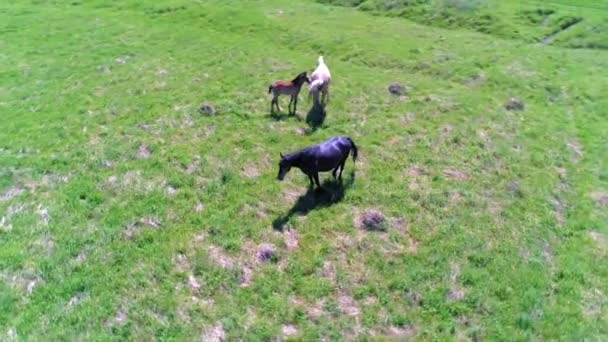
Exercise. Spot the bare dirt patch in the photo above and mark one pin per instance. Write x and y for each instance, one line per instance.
(120, 318)
(122, 59)
(10, 193)
(329, 271)
(170, 190)
(193, 282)
(43, 212)
(408, 118)
(143, 151)
(476, 79)
(315, 311)
(414, 171)
(559, 209)
(289, 330)
(291, 238)
(347, 305)
(412, 244)
(455, 174)
(593, 302)
(402, 331)
(576, 149)
(77, 298)
(290, 195)
(219, 257)
(250, 171)
(25, 280)
(246, 276)
(455, 293)
(601, 241)
(182, 263)
(46, 244)
(133, 228)
(600, 197)
(446, 129)
(214, 334)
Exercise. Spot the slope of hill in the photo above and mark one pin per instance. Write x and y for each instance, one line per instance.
(126, 213)
(566, 23)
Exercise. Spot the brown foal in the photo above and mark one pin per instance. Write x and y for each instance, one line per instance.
(287, 88)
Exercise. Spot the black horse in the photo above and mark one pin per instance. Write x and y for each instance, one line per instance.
(331, 154)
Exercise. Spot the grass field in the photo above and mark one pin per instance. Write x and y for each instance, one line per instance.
(125, 213)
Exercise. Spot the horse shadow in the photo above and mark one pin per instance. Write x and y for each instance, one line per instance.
(333, 192)
(316, 115)
(282, 116)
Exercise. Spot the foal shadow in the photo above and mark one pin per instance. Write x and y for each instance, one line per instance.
(316, 115)
(281, 116)
(333, 192)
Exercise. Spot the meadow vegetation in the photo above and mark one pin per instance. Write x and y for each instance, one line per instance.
(477, 208)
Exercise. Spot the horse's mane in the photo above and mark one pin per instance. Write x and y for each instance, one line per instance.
(295, 154)
(295, 79)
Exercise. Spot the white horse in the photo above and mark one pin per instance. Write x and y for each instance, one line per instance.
(319, 81)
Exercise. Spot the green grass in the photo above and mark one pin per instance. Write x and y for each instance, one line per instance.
(566, 23)
(496, 224)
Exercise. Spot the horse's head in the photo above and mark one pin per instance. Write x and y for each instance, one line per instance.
(301, 78)
(284, 167)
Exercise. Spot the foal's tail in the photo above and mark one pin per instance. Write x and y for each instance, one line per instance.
(354, 149)
(269, 89)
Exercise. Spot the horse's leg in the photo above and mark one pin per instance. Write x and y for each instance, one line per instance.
(316, 176)
(324, 95)
(295, 104)
(342, 168)
(312, 183)
(272, 104)
(290, 105)
(333, 173)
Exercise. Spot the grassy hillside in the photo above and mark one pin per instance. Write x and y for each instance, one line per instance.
(126, 213)
(566, 23)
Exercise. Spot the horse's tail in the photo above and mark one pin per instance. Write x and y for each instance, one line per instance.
(269, 89)
(353, 148)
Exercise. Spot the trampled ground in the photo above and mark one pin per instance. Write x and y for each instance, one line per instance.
(126, 213)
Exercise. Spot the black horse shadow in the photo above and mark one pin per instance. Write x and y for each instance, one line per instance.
(316, 115)
(282, 116)
(332, 192)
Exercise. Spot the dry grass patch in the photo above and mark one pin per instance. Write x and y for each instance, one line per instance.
(600, 197)
(291, 238)
(455, 174)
